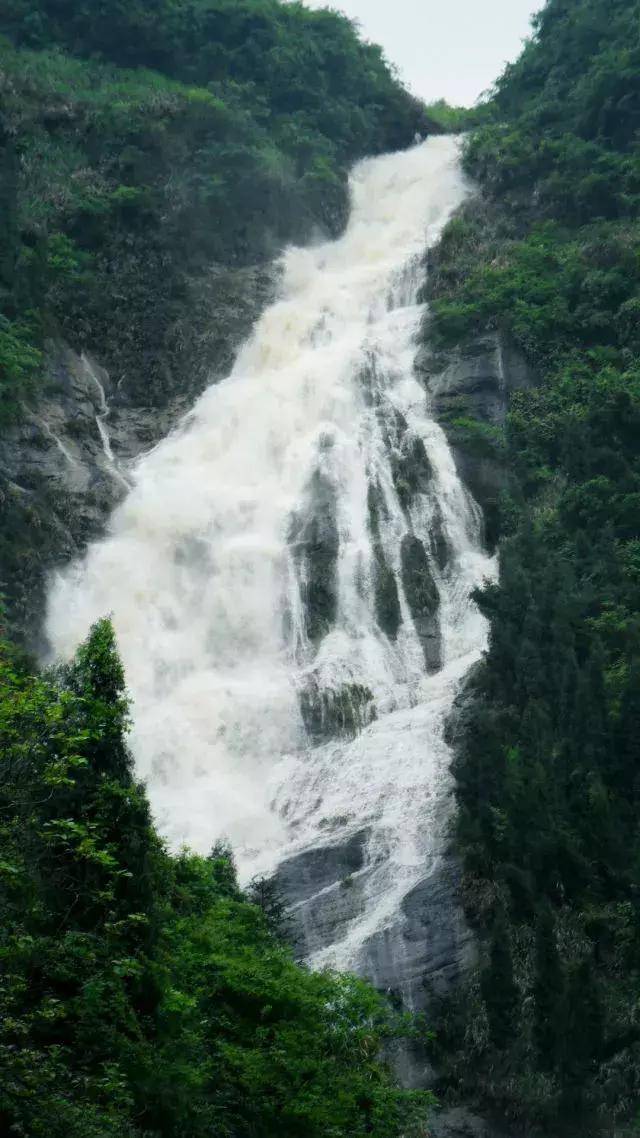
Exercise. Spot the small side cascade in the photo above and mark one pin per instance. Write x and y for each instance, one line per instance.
(64, 451)
(101, 422)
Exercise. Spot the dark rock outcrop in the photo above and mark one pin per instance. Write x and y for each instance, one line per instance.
(386, 596)
(387, 599)
(469, 387)
(324, 891)
(423, 599)
(438, 540)
(331, 712)
(411, 470)
(314, 539)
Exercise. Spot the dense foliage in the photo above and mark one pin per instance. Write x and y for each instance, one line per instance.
(549, 764)
(142, 994)
(140, 143)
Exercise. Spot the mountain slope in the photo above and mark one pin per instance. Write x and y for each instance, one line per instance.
(549, 256)
(153, 162)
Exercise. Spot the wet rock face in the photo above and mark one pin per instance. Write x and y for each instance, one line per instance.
(388, 613)
(470, 387)
(58, 485)
(307, 874)
(423, 599)
(424, 953)
(323, 892)
(411, 470)
(434, 946)
(315, 542)
(329, 712)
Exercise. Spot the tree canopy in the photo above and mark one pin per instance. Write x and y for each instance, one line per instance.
(548, 255)
(142, 994)
(139, 143)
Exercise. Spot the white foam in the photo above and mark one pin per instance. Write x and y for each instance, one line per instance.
(197, 573)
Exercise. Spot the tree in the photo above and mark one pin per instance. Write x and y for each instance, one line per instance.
(142, 995)
(268, 896)
(583, 1031)
(499, 989)
(549, 992)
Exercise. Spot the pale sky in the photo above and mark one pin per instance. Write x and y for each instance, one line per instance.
(444, 48)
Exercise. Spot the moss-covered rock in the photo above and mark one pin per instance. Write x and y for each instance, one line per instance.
(411, 469)
(329, 712)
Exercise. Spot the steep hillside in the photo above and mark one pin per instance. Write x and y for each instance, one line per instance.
(153, 161)
(230, 132)
(547, 258)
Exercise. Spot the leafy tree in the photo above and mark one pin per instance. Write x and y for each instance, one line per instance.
(267, 895)
(142, 995)
(549, 991)
(499, 989)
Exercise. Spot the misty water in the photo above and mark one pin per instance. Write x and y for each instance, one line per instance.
(207, 569)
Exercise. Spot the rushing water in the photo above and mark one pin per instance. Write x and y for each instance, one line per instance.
(207, 563)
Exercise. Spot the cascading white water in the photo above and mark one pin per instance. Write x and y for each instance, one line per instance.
(209, 592)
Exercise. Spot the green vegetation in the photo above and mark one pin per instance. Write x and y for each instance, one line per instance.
(547, 770)
(141, 143)
(142, 994)
(454, 120)
(345, 710)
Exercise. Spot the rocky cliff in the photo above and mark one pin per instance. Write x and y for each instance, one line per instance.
(469, 386)
(68, 462)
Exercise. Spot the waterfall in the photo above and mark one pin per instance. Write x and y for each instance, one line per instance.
(289, 576)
